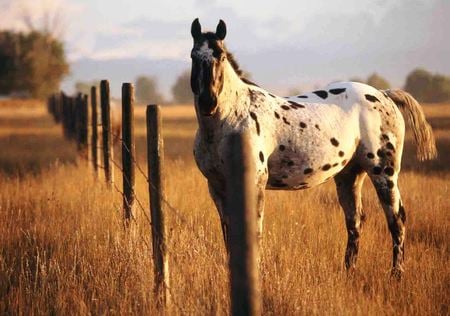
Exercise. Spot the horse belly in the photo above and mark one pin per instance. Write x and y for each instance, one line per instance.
(293, 169)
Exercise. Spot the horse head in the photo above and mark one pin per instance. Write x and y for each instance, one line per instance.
(208, 59)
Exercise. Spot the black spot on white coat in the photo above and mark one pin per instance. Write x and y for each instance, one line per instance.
(321, 93)
(336, 91)
(371, 98)
(334, 142)
(255, 118)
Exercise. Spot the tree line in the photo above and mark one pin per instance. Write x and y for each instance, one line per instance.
(34, 64)
(31, 64)
(422, 84)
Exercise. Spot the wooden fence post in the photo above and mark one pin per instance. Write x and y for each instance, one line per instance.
(65, 115)
(94, 130)
(155, 156)
(82, 125)
(128, 150)
(240, 205)
(106, 132)
(58, 109)
(73, 118)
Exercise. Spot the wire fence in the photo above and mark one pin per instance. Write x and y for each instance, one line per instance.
(142, 207)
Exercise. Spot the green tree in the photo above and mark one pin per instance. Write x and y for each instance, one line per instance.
(34, 63)
(378, 82)
(147, 90)
(181, 90)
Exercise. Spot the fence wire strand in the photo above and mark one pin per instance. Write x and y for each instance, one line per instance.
(174, 210)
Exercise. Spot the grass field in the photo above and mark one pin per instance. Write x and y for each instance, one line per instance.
(63, 249)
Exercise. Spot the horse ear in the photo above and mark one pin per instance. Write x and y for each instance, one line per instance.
(221, 30)
(196, 29)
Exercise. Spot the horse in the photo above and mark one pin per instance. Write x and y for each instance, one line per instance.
(344, 131)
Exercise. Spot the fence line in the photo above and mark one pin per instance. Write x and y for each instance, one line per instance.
(73, 113)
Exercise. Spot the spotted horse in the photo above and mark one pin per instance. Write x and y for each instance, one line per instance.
(345, 131)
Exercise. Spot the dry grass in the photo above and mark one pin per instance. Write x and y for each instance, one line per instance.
(63, 249)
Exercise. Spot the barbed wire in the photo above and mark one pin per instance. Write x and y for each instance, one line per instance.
(175, 211)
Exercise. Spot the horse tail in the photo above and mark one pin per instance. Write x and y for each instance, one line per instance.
(423, 134)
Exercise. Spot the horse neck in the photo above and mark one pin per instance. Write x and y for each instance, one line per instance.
(234, 91)
(232, 97)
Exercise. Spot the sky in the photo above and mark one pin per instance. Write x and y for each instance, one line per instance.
(281, 43)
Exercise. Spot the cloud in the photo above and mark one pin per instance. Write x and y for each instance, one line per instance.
(282, 43)
(23, 15)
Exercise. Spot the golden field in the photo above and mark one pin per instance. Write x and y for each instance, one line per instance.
(63, 248)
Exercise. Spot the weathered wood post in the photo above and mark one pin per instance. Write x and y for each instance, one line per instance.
(94, 130)
(58, 107)
(82, 126)
(241, 206)
(106, 132)
(78, 119)
(128, 150)
(65, 114)
(73, 118)
(155, 157)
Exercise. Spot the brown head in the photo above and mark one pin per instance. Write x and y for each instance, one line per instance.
(208, 60)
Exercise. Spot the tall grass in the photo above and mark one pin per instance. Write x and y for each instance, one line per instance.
(63, 248)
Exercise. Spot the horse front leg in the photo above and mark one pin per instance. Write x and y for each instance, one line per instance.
(260, 195)
(218, 195)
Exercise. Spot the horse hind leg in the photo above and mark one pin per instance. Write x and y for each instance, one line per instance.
(389, 196)
(348, 185)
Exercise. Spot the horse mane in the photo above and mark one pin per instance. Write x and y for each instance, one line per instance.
(212, 39)
(232, 60)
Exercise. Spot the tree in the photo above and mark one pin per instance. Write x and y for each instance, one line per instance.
(418, 82)
(147, 90)
(378, 82)
(34, 63)
(85, 86)
(440, 89)
(357, 79)
(428, 87)
(181, 90)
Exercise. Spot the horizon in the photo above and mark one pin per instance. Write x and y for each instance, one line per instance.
(303, 50)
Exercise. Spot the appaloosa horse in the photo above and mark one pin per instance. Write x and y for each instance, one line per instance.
(345, 131)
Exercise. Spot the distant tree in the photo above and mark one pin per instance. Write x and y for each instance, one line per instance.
(357, 79)
(378, 82)
(440, 89)
(147, 90)
(85, 86)
(428, 87)
(419, 82)
(34, 63)
(294, 91)
(181, 90)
